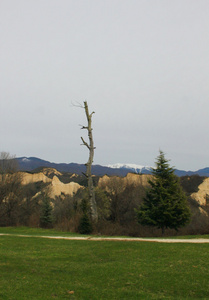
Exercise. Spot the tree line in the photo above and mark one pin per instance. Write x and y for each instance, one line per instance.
(162, 207)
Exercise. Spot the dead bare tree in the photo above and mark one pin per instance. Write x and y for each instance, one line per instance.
(90, 146)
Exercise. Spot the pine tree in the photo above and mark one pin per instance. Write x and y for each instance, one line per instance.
(46, 219)
(85, 225)
(165, 204)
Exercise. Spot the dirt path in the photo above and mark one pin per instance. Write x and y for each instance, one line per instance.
(90, 238)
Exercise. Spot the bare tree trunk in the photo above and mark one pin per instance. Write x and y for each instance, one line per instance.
(90, 146)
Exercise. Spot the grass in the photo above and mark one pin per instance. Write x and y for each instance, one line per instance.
(60, 269)
(53, 232)
(35, 231)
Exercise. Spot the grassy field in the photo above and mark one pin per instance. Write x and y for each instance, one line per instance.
(53, 232)
(36, 268)
(35, 231)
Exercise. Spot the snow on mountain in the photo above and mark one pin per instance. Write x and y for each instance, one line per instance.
(132, 167)
(32, 163)
(25, 159)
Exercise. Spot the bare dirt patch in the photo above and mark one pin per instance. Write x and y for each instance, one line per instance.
(90, 238)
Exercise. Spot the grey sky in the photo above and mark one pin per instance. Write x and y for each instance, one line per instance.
(142, 66)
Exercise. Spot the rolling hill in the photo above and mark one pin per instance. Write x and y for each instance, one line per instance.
(33, 163)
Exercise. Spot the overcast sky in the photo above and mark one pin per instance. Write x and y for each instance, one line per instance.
(142, 66)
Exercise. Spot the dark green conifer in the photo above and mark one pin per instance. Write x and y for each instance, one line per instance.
(85, 225)
(165, 204)
(46, 219)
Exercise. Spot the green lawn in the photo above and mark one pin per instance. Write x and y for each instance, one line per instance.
(36, 268)
(53, 232)
(35, 231)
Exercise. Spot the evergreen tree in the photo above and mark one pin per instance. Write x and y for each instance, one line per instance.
(85, 225)
(165, 204)
(46, 219)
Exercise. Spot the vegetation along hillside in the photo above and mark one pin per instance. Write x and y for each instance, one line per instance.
(29, 197)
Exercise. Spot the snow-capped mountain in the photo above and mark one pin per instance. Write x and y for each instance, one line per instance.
(32, 163)
(132, 167)
(25, 159)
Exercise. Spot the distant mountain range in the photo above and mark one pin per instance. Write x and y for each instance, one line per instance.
(33, 163)
(147, 170)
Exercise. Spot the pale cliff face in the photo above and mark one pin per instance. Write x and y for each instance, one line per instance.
(56, 187)
(50, 171)
(137, 179)
(30, 178)
(203, 191)
(134, 179)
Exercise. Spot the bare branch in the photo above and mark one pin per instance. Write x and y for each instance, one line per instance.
(85, 143)
(93, 112)
(77, 105)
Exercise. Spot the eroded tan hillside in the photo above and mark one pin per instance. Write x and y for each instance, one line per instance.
(137, 179)
(129, 179)
(201, 195)
(31, 178)
(51, 172)
(56, 187)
